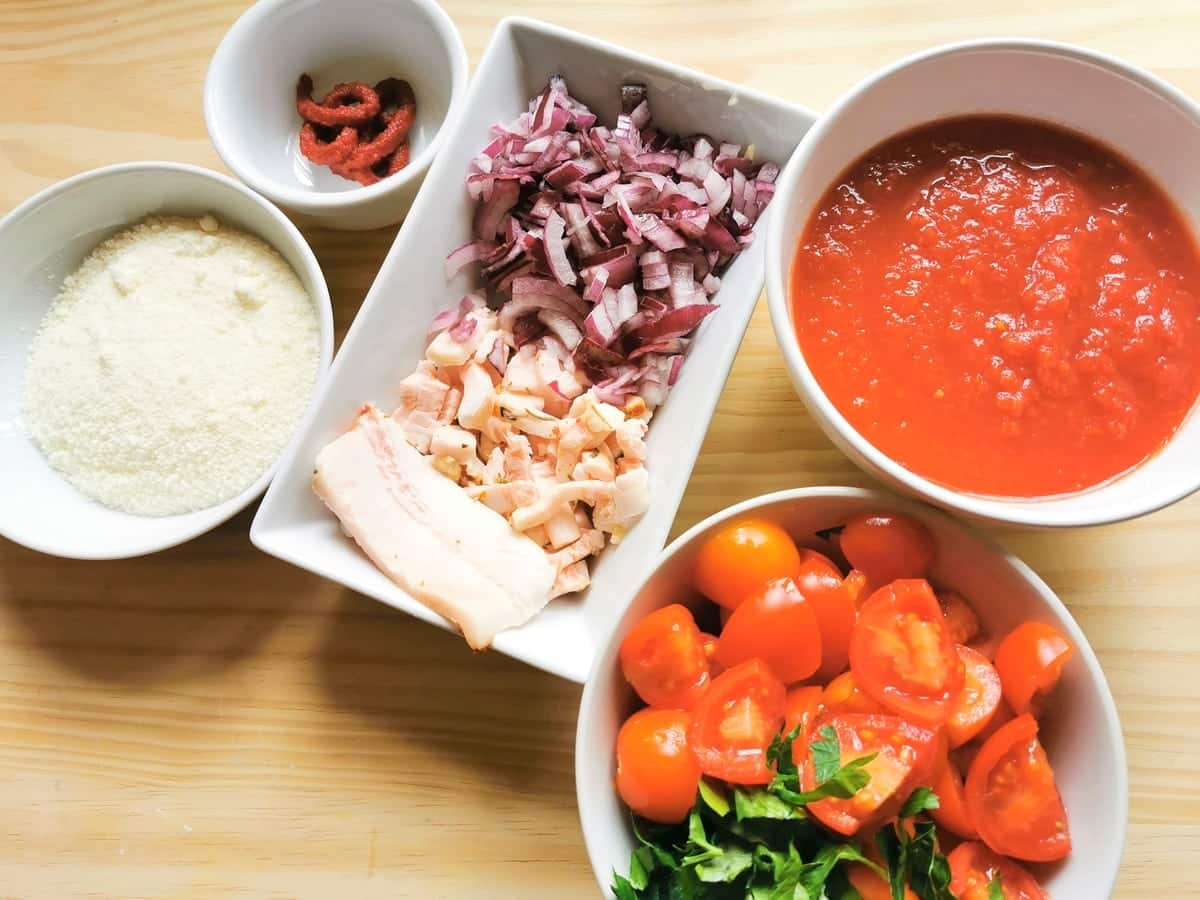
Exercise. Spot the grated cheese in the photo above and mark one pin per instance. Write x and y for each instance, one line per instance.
(172, 367)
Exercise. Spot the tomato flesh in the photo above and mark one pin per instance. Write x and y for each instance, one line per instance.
(735, 721)
(973, 868)
(657, 775)
(904, 758)
(802, 706)
(777, 625)
(901, 653)
(951, 812)
(886, 548)
(1030, 660)
(740, 558)
(663, 657)
(833, 605)
(844, 695)
(977, 700)
(1013, 798)
(960, 617)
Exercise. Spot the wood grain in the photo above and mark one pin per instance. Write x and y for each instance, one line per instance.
(211, 722)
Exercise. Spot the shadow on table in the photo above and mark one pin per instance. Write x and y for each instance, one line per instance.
(421, 688)
(151, 620)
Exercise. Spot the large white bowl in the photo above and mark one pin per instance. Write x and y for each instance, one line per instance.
(389, 335)
(250, 97)
(1124, 107)
(41, 242)
(1082, 734)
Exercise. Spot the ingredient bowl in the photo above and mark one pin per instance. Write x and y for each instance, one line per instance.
(1121, 107)
(250, 97)
(44, 240)
(1079, 729)
(390, 333)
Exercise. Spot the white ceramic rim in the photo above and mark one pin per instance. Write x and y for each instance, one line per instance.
(307, 200)
(1083, 647)
(832, 422)
(321, 302)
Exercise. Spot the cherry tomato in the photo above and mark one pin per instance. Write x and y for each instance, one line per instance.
(735, 722)
(657, 775)
(870, 886)
(710, 653)
(738, 560)
(833, 605)
(901, 653)
(885, 548)
(777, 625)
(1030, 660)
(966, 754)
(905, 758)
(801, 708)
(816, 561)
(960, 617)
(1013, 798)
(844, 695)
(978, 699)
(951, 812)
(663, 658)
(973, 868)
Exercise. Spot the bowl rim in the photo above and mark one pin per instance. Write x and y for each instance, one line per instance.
(1037, 511)
(593, 687)
(306, 200)
(212, 516)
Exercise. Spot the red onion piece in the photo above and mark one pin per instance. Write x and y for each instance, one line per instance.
(473, 251)
(563, 326)
(676, 323)
(556, 250)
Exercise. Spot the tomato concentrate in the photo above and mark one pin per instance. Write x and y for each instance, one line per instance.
(1002, 306)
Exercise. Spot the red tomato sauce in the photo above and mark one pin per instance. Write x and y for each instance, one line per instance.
(1002, 306)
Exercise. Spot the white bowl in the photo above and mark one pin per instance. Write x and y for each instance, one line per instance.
(250, 97)
(1082, 734)
(41, 242)
(1123, 107)
(388, 336)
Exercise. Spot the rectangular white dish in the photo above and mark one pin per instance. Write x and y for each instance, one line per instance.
(388, 336)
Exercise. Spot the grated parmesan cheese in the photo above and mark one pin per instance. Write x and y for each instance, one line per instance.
(172, 367)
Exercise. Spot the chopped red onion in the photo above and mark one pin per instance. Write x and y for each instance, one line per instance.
(563, 326)
(676, 323)
(472, 251)
(556, 250)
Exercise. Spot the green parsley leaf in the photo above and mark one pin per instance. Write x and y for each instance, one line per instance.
(622, 888)
(713, 797)
(918, 801)
(928, 869)
(731, 862)
(698, 838)
(758, 803)
(815, 874)
(826, 754)
(995, 889)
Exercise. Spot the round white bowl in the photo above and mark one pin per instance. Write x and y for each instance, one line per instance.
(41, 242)
(1082, 734)
(250, 97)
(1123, 107)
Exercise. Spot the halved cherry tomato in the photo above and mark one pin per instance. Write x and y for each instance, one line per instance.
(905, 758)
(885, 548)
(776, 624)
(901, 653)
(710, 653)
(834, 607)
(663, 658)
(657, 775)
(870, 886)
(801, 708)
(741, 558)
(1030, 660)
(973, 868)
(1013, 798)
(977, 700)
(816, 561)
(844, 695)
(735, 722)
(960, 617)
(951, 812)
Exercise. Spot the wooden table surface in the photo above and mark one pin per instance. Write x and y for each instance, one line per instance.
(210, 722)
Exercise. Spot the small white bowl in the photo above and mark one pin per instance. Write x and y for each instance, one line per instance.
(41, 242)
(1121, 106)
(1082, 734)
(389, 335)
(250, 97)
